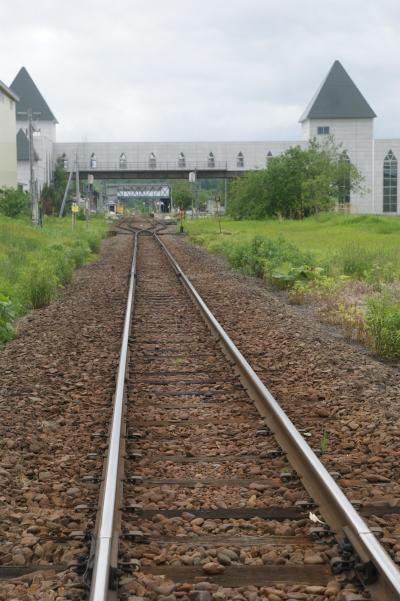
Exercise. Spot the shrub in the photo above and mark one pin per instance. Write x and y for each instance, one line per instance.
(275, 259)
(12, 202)
(79, 253)
(39, 285)
(94, 243)
(383, 324)
(7, 317)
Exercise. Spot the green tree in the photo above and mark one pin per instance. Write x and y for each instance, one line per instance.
(48, 199)
(297, 183)
(13, 202)
(60, 179)
(182, 194)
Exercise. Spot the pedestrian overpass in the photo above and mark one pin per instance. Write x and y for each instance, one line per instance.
(159, 171)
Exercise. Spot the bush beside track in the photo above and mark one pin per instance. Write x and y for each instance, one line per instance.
(36, 262)
(348, 265)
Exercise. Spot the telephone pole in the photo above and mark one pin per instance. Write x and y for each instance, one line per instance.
(32, 181)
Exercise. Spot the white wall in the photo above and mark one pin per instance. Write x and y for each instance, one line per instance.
(357, 138)
(8, 143)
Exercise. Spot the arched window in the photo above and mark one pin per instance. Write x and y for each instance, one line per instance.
(390, 183)
(122, 161)
(240, 160)
(211, 161)
(64, 160)
(344, 181)
(269, 157)
(152, 161)
(93, 161)
(181, 160)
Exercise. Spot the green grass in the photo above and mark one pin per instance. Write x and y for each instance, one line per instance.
(325, 258)
(322, 236)
(36, 262)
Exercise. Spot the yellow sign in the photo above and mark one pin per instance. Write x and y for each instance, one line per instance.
(75, 208)
(120, 209)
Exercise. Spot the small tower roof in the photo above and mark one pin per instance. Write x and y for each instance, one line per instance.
(338, 98)
(30, 98)
(23, 147)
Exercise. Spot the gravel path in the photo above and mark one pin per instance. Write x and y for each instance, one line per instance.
(57, 381)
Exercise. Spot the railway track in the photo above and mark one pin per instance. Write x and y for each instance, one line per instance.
(201, 495)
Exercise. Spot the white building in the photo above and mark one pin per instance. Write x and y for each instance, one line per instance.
(8, 148)
(337, 109)
(44, 134)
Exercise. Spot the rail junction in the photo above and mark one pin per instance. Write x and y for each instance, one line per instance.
(205, 476)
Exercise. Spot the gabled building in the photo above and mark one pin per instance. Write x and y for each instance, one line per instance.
(44, 135)
(8, 149)
(338, 109)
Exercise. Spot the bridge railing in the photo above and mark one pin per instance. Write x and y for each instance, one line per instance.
(152, 165)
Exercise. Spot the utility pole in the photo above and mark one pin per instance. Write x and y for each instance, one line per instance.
(32, 186)
(77, 181)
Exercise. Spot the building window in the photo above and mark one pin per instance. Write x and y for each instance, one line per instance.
(211, 161)
(93, 161)
(269, 157)
(240, 160)
(390, 183)
(152, 161)
(323, 130)
(345, 181)
(181, 160)
(123, 163)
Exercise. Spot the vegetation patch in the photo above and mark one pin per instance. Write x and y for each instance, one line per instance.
(349, 266)
(36, 262)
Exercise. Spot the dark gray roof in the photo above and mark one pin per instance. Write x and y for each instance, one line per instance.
(338, 98)
(23, 147)
(30, 97)
(8, 92)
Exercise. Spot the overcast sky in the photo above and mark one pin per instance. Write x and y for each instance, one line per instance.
(126, 70)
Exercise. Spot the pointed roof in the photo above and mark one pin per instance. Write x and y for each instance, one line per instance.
(30, 97)
(23, 147)
(338, 98)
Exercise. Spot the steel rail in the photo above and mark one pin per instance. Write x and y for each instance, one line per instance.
(336, 509)
(106, 534)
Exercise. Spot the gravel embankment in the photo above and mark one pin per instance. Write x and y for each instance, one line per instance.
(57, 381)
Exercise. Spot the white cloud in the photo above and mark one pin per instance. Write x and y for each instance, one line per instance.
(135, 70)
